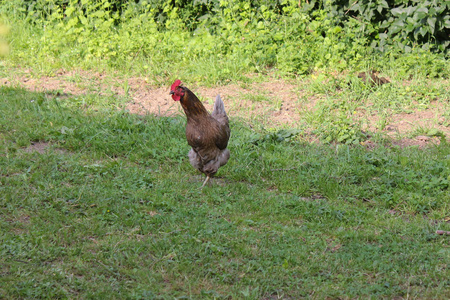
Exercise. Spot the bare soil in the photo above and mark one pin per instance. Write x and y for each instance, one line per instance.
(42, 147)
(282, 104)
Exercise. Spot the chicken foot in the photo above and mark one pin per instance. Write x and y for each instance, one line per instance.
(206, 180)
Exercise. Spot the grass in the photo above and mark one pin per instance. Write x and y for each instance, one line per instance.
(96, 202)
(217, 53)
(99, 203)
(344, 106)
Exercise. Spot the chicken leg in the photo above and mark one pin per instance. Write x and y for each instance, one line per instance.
(206, 180)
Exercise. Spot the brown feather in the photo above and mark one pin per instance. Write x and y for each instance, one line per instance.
(207, 134)
(370, 77)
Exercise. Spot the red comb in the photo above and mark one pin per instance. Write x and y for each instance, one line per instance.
(175, 85)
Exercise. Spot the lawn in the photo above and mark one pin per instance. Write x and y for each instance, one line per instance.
(336, 188)
(97, 202)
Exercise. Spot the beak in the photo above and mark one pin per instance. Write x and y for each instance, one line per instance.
(171, 93)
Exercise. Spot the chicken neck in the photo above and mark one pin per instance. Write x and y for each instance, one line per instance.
(192, 106)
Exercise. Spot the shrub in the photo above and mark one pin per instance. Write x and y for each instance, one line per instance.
(246, 35)
(402, 24)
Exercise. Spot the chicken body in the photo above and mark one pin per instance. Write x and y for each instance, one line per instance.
(370, 77)
(206, 133)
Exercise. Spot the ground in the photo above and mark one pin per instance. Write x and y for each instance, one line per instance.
(274, 103)
(115, 208)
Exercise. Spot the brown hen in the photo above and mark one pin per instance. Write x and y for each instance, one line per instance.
(206, 133)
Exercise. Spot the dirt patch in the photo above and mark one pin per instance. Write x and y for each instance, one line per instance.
(430, 118)
(41, 147)
(273, 103)
(19, 223)
(283, 107)
(419, 141)
(239, 101)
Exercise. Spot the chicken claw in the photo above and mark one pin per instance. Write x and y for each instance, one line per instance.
(206, 180)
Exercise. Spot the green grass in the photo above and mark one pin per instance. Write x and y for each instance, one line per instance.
(98, 203)
(343, 105)
(228, 45)
(111, 208)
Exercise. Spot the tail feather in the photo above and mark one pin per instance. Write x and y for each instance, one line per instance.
(219, 107)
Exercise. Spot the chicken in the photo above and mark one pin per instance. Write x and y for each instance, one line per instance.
(206, 133)
(370, 77)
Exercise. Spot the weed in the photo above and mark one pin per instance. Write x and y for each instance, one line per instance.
(229, 42)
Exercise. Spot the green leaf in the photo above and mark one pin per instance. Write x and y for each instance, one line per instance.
(99, 14)
(409, 28)
(380, 8)
(419, 15)
(397, 11)
(422, 10)
(72, 22)
(383, 36)
(355, 7)
(423, 31)
(432, 23)
(70, 10)
(410, 10)
(384, 4)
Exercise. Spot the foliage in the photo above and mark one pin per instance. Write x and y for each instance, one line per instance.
(403, 24)
(424, 23)
(238, 36)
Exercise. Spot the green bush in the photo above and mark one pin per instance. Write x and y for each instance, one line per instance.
(401, 24)
(244, 36)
